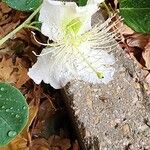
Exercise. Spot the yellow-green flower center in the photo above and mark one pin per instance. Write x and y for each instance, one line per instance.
(73, 26)
(71, 30)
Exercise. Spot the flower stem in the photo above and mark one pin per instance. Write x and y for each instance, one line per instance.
(32, 27)
(11, 34)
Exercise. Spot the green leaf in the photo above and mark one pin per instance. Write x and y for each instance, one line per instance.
(136, 14)
(23, 5)
(82, 2)
(13, 113)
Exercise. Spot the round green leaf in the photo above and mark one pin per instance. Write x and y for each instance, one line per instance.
(13, 113)
(136, 14)
(24, 5)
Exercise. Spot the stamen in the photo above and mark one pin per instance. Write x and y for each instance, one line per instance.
(35, 53)
(37, 40)
(61, 42)
(50, 51)
(100, 38)
(105, 47)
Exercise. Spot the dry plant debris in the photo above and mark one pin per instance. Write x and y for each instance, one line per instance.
(15, 58)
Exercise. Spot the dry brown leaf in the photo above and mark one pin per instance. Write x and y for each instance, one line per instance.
(9, 19)
(137, 46)
(5, 20)
(46, 111)
(1, 32)
(40, 144)
(22, 34)
(127, 30)
(19, 143)
(22, 73)
(56, 141)
(6, 70)
(33, 109)
(1, 15)
(13, 73)
(10, 27)
(75, 146)
(4, 8)
(146, 55)
(137, 39)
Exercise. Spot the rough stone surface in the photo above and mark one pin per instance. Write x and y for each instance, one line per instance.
(113, 116)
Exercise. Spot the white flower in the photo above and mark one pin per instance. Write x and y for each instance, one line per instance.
(79, 51)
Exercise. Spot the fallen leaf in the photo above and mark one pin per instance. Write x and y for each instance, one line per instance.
(75, 146)
(146, 55)
(62, 143)
(13, 73)
(6, 70)
(40, 144)
(4, 8)
(33, 109)
(22, 73)
(138, 46)
(19, 143)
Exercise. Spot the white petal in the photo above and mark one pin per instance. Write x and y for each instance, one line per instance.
(100, 60)
(85, 13)
(51, 15)
(55, 14)
(48, 70)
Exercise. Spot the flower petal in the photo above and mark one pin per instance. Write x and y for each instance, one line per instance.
(49, 71)
(94, 61)
(52, 14)
(55, 15)
(85, 14)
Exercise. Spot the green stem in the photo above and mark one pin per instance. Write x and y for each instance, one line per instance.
(3, 40)
(35, 22)
(32, 27)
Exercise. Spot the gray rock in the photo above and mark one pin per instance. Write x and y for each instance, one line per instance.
(113, 116)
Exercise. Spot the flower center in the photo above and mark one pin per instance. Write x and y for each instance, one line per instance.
(71, 30)
(73, 26)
